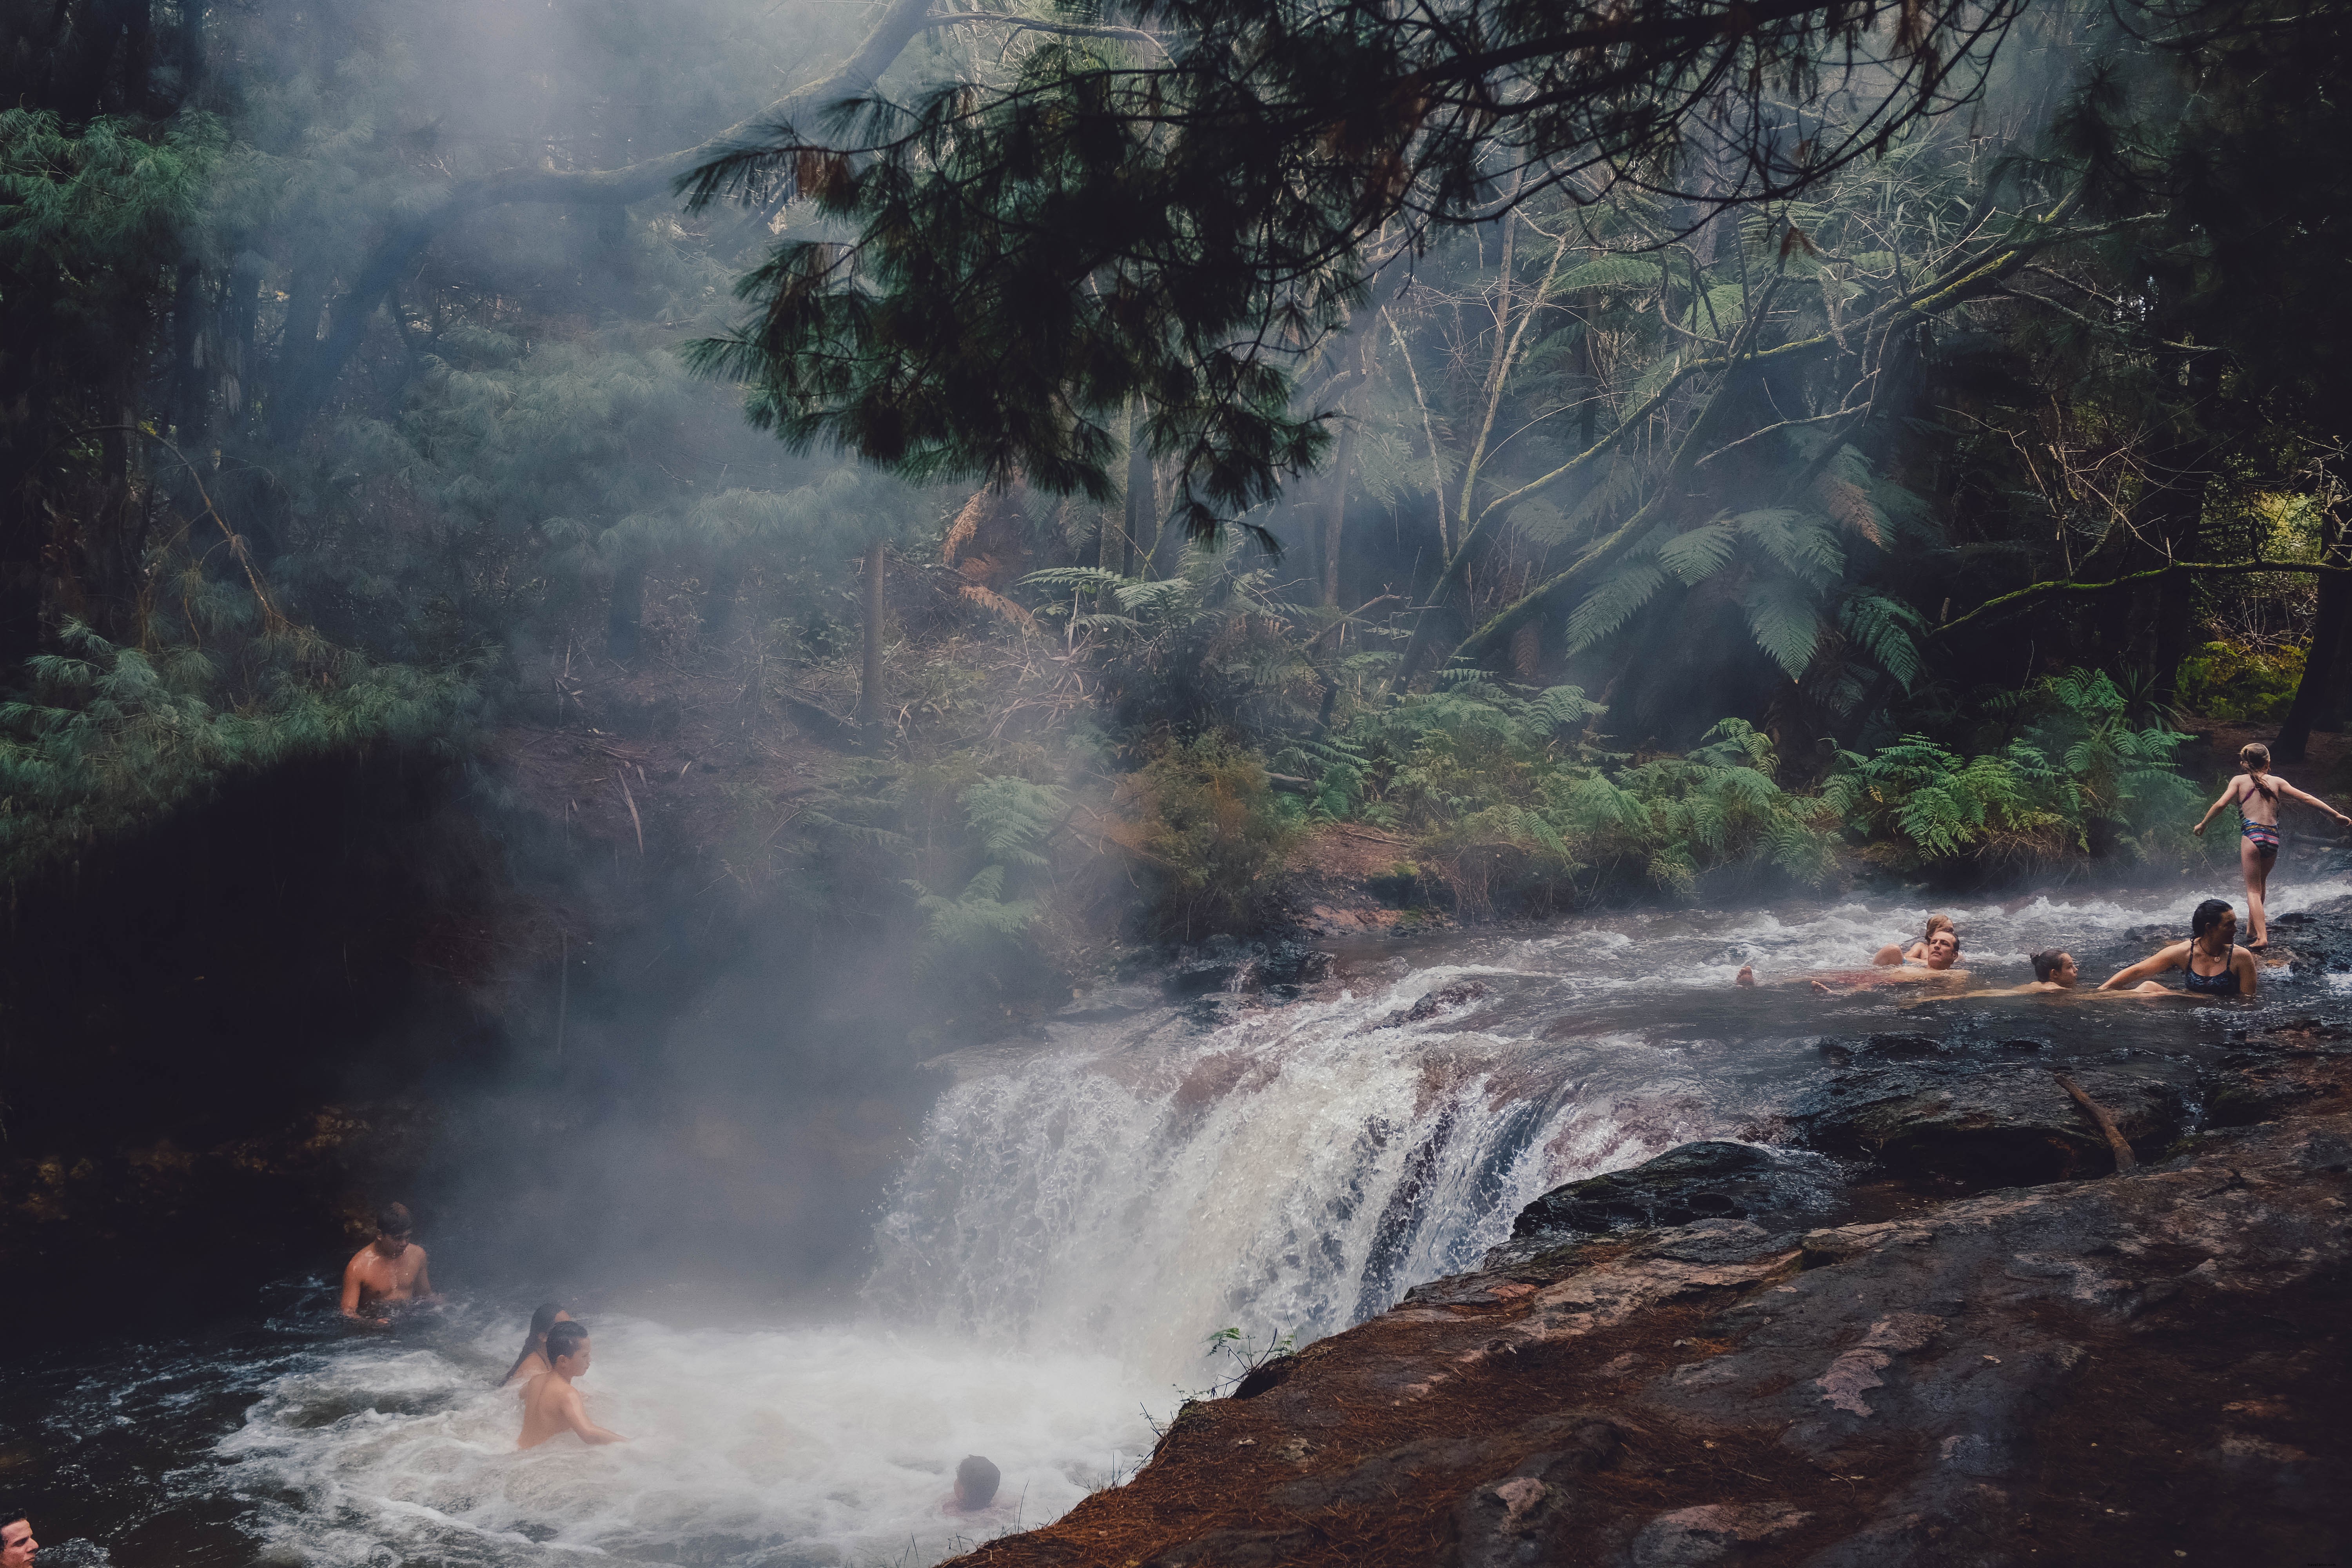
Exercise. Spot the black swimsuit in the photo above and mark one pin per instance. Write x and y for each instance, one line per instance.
(2223, 985)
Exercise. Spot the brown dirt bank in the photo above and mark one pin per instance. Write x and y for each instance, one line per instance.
(2144, 1368)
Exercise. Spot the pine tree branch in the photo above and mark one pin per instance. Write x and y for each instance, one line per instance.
(1032, 25)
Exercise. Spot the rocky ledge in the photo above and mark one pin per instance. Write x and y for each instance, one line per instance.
(1668, 1367)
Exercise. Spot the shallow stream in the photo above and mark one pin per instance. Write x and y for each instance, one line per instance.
(1086, 1207)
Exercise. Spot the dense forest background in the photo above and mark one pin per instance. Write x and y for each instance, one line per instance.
(1919, 466)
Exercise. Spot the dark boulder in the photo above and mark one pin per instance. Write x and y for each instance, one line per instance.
(1693, 1182)
(1994, 1124)
(1223, 964)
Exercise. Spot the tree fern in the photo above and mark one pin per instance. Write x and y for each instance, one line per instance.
(1781, 617)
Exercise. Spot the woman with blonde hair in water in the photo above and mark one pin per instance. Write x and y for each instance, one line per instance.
(2256, 791)
(1894, 953)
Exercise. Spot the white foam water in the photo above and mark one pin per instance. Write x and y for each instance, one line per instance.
(772, 1445)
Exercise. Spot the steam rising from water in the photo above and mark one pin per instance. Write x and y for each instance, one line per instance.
(1084, 1211)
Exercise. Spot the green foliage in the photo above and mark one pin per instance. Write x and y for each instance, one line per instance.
(1502, 790)
(2237, 684)
(91, 223)
(113, 740)
(2073, 776)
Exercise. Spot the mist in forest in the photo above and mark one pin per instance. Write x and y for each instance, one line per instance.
(1843, 485)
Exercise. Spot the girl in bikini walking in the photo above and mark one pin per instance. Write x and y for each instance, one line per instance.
(2256, 794)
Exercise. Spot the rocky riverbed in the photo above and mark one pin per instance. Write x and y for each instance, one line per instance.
(1941, 1328)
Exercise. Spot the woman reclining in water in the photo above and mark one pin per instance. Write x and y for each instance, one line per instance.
(1895, 954)
(2216, 965)
(1943, 953)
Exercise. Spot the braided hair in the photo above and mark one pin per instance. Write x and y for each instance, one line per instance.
(2255, 757)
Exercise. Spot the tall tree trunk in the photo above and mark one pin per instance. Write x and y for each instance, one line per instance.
(1335, 515)
(298, 353)
(2317, 695)
(628, 612)
(718, 600)
(1135, 498)
(2179, 522)
(870, 707)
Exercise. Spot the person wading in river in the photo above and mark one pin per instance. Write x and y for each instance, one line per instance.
(16, 1542)
(2217, 967)
(386, 1271)
(533, 1358)
(551, 1404)
(976, 1481)
(2256, 793)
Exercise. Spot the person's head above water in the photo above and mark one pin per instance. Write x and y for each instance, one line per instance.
(2054, 966)
(1943, 948)
(16, 1542)
(393, 1225)
(1935, 924)
(550, 1313)
(2212, 912)
(567, 1348)
(976, 1481)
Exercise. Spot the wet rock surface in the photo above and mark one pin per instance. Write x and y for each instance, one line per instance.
(2147, 1367)
(1977, 1123)
(1697, 1181)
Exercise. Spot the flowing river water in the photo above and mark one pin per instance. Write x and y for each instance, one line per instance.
(1084, 1208)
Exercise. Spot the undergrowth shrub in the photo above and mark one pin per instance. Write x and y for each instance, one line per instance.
(113, 739)
(2072, 778)
(1503, 792)
(2239, 685)
(1202, 818)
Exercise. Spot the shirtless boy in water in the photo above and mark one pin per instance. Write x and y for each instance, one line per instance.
(2256, 791)
(550, 1404)
(387, 1270)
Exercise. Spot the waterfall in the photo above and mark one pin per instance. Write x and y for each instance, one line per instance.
(1132, 1189)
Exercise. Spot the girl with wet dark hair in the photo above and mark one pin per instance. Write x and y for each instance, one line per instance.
(2216, 966)
(533, 1359)
(2256, 793)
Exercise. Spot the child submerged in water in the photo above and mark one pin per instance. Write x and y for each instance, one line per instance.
(2256, 793)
